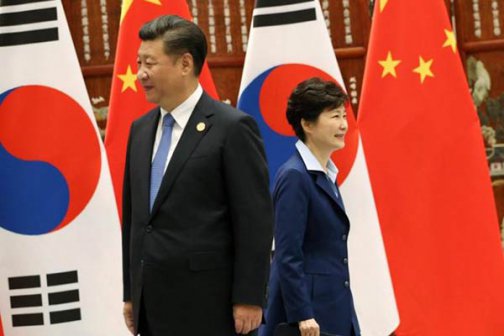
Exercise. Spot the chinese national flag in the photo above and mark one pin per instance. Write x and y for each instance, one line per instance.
(428, 171)
(127, 100)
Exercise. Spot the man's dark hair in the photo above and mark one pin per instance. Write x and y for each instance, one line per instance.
(309, 99)
(179, 36)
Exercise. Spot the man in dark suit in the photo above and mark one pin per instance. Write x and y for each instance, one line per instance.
(197, 215)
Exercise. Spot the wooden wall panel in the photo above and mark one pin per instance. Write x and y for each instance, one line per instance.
(480, 35)
(227, 80)
(476, 20)
(94, 26)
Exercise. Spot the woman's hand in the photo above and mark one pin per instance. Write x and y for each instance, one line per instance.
(309, 328)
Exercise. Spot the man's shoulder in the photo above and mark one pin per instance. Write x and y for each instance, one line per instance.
(224, 111)
(147, 116)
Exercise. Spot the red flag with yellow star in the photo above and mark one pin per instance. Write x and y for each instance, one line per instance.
(427, 166)
(127, 101)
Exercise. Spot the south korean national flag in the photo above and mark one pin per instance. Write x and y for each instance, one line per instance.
(60, 236)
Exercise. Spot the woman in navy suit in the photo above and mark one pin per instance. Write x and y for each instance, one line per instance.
(310, 282)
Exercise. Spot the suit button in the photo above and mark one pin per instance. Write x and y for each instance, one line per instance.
(345, 260)
(344, 237)
(148, 228)
(347, 284)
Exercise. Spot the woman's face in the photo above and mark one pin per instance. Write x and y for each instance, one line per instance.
(327, 132)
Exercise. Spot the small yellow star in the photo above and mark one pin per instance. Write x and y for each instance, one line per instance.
(127, 4)
(451, 41)
(383, 3)
(424, 69)
(389, 65)
(128, 80)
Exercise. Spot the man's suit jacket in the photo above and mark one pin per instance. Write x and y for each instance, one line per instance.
(206, 244)
(309, 274)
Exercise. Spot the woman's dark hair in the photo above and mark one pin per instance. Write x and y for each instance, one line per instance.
(309, 99)
(179, 36)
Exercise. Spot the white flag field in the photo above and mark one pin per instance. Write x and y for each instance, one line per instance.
(60, 257)
(289, 43)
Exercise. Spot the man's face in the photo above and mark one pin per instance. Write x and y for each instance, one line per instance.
(159, 74)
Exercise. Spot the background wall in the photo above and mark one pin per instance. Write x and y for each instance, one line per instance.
(479, 26)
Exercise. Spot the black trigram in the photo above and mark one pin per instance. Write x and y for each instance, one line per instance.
(285, 17)
(20, 301)
(12, 29)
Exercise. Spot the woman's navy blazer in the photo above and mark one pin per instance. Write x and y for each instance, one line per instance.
(309, 275)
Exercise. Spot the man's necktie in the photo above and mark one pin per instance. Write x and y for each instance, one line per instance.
(158, 164)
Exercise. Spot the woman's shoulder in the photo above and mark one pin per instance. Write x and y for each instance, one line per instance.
(292, 171)
(294, 165)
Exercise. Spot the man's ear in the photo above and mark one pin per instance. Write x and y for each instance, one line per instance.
(187, 63)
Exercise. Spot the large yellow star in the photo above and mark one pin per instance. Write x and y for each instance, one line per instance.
(424, 69)
(451, 41)
(128, 79)
(389, 65)
(383, 3)
(127, 4)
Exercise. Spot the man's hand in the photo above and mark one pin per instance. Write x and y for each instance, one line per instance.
(246, 318)
(309, 328)
(128, 316)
